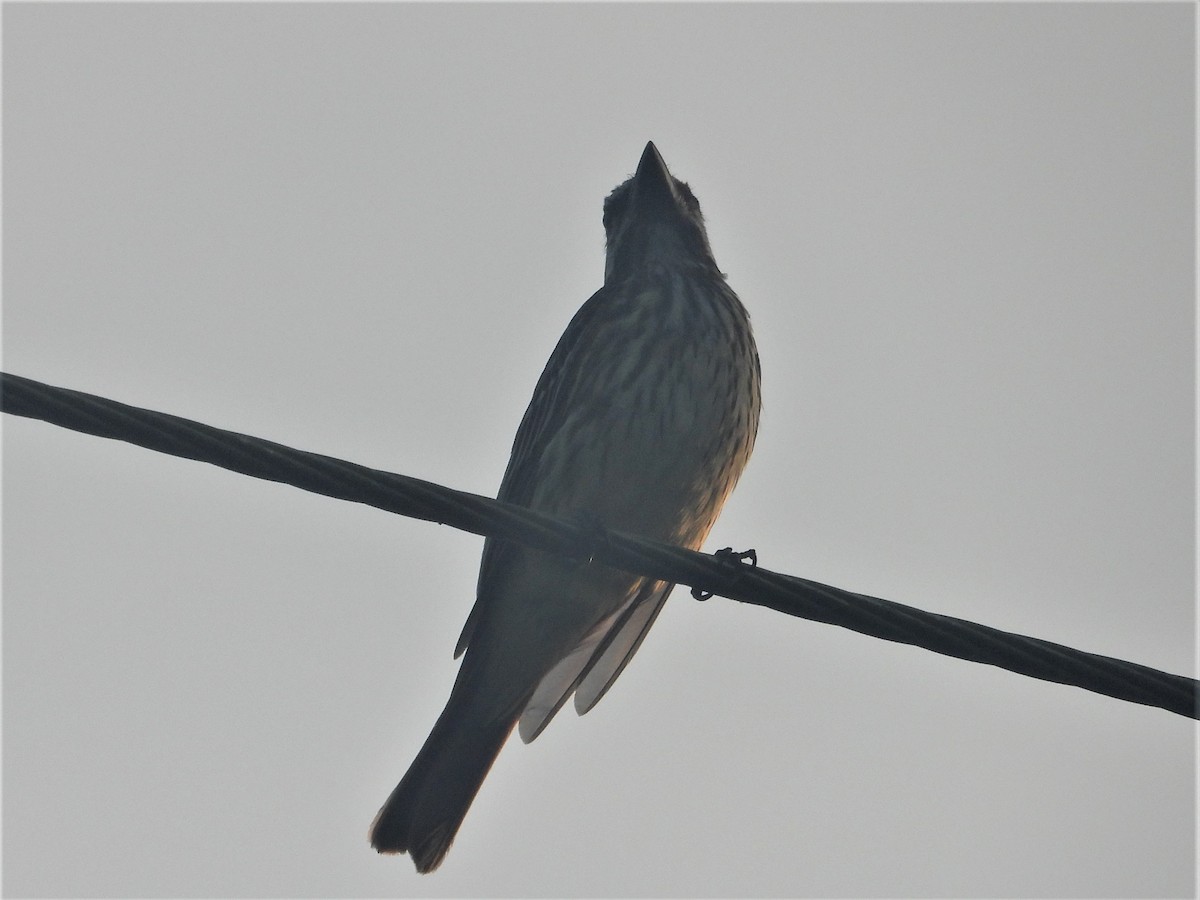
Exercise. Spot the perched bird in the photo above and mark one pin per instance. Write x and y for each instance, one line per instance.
(641, 422)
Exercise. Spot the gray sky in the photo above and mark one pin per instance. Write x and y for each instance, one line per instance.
(965, 236)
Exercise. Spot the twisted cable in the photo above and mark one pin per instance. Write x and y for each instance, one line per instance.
(481, 515)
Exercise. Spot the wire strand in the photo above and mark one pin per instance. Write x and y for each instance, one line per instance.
(419, 499)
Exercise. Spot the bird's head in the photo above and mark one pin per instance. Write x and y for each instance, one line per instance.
(653, 217)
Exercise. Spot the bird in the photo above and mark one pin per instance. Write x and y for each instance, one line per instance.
(641, 422)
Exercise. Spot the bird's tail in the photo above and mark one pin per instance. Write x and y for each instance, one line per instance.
(424, 812)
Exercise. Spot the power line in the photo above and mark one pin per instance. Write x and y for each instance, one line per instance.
(720, 574)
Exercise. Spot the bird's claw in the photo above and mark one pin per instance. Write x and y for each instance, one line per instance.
(729, 557)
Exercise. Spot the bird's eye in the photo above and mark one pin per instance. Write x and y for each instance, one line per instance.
(614, 207)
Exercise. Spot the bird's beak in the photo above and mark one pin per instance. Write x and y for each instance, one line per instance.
(653, 187)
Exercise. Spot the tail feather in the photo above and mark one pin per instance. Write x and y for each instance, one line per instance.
(424, 812)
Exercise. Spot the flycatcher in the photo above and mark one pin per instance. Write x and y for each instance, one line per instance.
(642, 422)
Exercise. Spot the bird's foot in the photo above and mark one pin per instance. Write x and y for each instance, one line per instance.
(731, 558)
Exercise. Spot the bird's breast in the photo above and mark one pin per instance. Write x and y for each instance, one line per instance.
(662, 414)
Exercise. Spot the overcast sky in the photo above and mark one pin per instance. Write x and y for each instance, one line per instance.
(965, 235)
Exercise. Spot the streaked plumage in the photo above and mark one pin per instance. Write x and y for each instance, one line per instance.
(643, 419)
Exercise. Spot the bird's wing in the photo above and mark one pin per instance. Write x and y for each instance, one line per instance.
(556, 685)
(545, 415)
(625, 639)
(596, 661)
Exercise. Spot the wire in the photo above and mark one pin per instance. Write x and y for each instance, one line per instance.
(720, 575)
